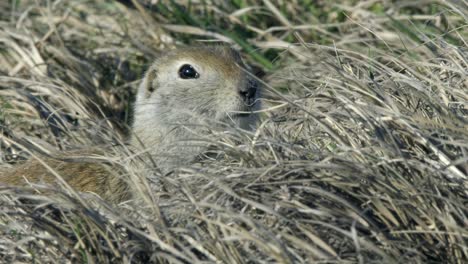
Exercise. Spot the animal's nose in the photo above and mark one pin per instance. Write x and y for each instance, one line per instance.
(248, 94)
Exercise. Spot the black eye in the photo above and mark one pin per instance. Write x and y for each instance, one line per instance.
(188, 72)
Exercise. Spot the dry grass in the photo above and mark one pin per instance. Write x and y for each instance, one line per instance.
(360, 156)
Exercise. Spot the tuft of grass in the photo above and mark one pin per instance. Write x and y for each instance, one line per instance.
(360, 155)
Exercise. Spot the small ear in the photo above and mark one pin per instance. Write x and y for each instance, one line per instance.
(149, 83)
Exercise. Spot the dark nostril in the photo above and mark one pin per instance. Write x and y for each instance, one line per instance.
(249, 93)
(243, 94)
(251, 90)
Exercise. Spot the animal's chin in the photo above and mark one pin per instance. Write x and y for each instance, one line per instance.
(243, 111)
(239, 113)
(241, 116)
(236, 116)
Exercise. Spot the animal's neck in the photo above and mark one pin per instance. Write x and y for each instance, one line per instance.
(172, 141)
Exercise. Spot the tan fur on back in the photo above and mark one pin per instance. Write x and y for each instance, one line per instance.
(93, 177)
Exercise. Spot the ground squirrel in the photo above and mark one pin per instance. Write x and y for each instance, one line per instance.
(181, 93)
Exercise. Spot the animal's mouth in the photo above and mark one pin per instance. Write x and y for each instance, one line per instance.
(242, 113)
(246, 107)
(244, 119)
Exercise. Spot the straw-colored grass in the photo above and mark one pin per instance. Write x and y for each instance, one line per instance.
(360, 156)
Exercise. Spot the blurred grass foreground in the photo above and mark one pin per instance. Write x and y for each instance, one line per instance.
(360, 156)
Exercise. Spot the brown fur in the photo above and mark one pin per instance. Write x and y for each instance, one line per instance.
(84, 176)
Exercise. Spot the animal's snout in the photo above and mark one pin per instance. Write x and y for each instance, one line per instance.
(249, 92)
